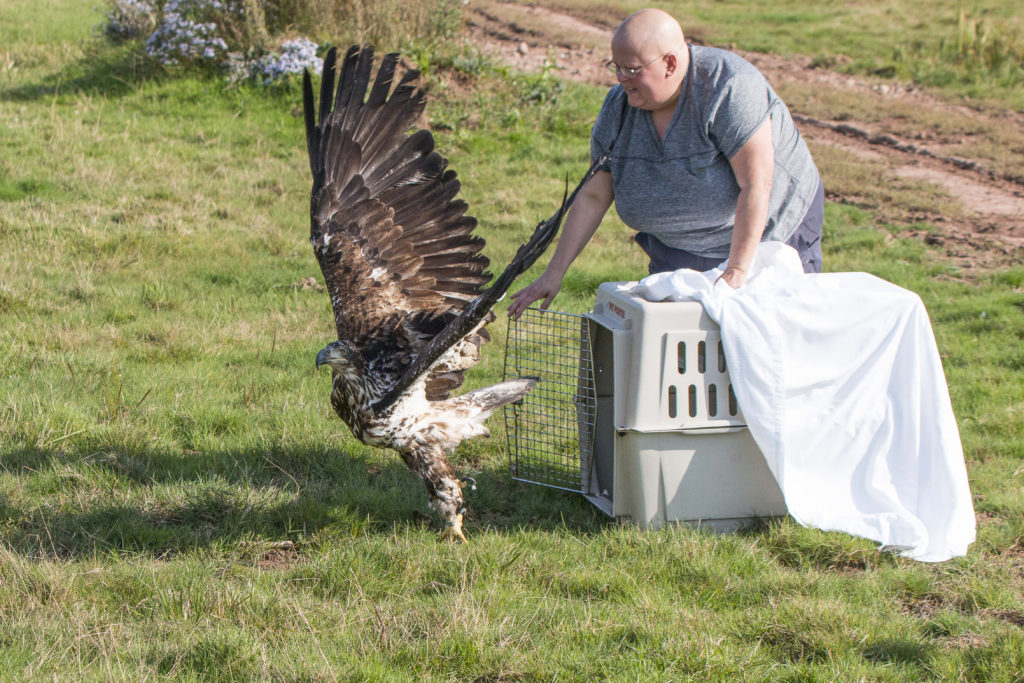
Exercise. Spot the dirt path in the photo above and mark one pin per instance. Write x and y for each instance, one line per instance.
(987, 227)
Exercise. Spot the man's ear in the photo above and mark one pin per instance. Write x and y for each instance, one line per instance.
(671, 64)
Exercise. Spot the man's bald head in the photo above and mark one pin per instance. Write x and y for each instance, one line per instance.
(649, 30)
(651, 59)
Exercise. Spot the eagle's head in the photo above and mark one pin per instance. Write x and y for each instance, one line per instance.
(343, 359)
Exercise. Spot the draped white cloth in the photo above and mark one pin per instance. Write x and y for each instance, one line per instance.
(840, 382)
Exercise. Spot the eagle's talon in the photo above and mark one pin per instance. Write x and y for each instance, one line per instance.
(453, 530)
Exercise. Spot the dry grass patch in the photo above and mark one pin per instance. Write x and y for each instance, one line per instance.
(869, 182)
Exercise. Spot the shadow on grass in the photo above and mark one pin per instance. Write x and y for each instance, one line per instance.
(898, 651)
(79, 505)
(111, 71)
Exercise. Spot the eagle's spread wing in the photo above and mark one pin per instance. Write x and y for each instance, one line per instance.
(403, 270)
(395, 246)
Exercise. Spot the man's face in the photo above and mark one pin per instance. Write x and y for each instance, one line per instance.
(651, 88)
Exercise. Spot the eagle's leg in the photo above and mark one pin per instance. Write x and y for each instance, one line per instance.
(453, 530)
(443, 487)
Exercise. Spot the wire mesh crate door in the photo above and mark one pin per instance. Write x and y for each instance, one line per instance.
(550, 432)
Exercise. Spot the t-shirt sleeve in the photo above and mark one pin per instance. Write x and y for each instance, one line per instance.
(742, 106)
(607, 125)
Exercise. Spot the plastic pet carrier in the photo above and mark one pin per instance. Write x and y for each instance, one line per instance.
(635, 410)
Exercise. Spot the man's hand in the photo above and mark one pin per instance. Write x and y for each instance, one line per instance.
(585, 215)
(734, 277)
(545, 287)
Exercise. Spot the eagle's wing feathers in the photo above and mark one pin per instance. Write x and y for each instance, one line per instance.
(402, 267)
(475, 311)
(394, 244)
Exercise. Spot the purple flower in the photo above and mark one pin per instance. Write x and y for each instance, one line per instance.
(128, 19)
(296, 55)
(184, 35)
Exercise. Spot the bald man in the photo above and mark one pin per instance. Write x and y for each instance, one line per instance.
(700, 156)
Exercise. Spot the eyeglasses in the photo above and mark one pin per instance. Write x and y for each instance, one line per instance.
(628, 71)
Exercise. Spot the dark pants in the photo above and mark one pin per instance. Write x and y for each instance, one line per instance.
(806, 240)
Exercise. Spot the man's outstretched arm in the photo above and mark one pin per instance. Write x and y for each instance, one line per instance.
(580, 225)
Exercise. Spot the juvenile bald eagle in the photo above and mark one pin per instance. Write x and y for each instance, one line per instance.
(404, 273)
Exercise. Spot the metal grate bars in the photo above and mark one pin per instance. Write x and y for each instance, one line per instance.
(544, 429)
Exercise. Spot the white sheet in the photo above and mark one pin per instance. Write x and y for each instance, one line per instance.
(840, 381)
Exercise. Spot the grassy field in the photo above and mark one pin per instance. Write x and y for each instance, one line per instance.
(178, 501)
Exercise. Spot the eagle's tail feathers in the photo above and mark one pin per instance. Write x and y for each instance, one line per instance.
(489, 399)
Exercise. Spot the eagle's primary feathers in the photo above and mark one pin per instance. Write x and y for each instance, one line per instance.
(404, 273)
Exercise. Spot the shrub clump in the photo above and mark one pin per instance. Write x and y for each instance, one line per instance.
(188, 32)
(128, 20)
(225, 34)
(295, 55)
(243, 38)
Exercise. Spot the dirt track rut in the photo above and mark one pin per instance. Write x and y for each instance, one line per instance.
(987, 228)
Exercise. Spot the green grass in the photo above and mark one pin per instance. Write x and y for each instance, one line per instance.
(178, 501)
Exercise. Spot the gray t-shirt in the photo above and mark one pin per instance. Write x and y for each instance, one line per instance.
(682, 189)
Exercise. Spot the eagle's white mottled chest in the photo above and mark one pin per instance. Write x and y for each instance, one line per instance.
(411, 420)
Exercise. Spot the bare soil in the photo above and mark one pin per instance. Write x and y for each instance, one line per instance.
(986, 230)
(282, 555)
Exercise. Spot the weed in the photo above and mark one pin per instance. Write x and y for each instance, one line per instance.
(985, 43)
(981, 51)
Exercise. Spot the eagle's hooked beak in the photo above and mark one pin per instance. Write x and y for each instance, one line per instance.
(341, 357)
(324, 357)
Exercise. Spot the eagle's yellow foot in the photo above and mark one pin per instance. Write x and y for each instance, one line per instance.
(453, 530)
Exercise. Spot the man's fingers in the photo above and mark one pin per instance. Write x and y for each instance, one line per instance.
(526, 296)
(515, 310)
